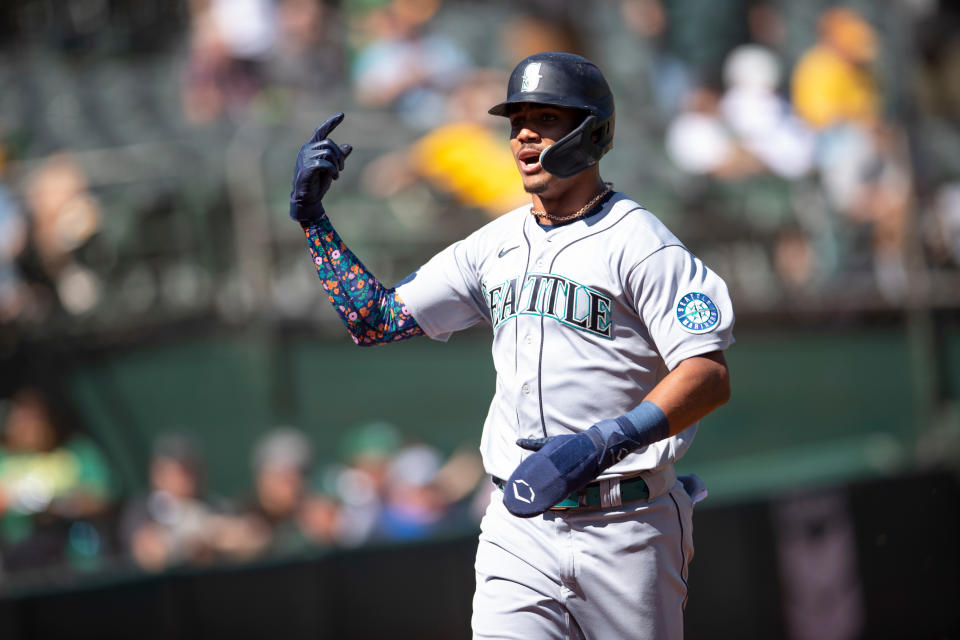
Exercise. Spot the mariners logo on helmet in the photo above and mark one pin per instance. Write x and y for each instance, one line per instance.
(531, 77)
(697, 313)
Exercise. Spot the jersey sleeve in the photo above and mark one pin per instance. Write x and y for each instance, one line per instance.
(444, 295)
(683, 303)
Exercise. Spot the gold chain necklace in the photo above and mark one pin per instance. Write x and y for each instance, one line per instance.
(575, 214)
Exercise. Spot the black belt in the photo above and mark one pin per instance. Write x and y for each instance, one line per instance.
(590, 496)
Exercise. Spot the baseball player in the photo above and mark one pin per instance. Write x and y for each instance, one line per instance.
(607, 341)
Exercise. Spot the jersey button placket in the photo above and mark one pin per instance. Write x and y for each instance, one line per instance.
(528, 354)
(528, 343)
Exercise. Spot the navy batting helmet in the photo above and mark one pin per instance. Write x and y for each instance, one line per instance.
(566, 80)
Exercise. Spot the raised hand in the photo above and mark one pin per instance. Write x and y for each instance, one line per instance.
(319, 163)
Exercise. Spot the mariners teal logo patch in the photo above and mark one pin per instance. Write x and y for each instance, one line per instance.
(697, 313)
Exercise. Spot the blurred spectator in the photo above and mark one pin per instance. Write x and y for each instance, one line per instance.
(309, 52)
(460, 481)
(943, 225)
(414, 507)
(13, 235)
(321, 517)
(282, 460)
(170, 525)
(175, 523)
(65, 223)
(13, 240)
(402, 66)
(764, 124)
(229, 42)
(464, 156)
(361, 485)
(759, 117)
(701, 143)
(794, 259)
(425, 496)
(865, 176)
(832, 82)
(55, 488)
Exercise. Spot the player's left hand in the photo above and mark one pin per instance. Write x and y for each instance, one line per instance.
(319, 163)
(559, 466)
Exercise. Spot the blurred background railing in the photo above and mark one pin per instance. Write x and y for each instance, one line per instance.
(176, 392)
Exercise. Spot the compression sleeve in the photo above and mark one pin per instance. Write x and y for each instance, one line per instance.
(372, 313)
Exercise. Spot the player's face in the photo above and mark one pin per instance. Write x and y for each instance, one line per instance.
(533, 128)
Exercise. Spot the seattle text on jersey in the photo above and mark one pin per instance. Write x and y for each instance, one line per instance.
(553, 296)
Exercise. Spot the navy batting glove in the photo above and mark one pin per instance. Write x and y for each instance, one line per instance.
(561, 465)
(319, 163)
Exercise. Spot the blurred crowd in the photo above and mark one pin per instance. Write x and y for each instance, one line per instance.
(809, 151)
(831, 127)
(63, 510)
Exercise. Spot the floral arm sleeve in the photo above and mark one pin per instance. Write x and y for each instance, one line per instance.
(372, 313)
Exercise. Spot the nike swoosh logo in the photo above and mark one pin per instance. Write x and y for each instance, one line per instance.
(504, 252)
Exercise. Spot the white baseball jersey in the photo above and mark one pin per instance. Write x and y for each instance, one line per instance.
(587, 318)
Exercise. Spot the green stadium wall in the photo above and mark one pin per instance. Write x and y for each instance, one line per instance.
(808, 407)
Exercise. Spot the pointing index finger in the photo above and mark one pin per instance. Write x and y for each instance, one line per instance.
(328, 125)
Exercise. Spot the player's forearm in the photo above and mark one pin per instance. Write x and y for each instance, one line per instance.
(372, 313)
(695, 387)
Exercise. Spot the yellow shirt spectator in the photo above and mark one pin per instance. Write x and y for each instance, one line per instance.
(831, 82)
(827, 89)
(472, 164)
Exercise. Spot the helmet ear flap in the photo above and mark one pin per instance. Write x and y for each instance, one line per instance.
(574, 152)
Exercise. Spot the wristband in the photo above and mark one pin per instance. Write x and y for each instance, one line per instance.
(643, 425)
